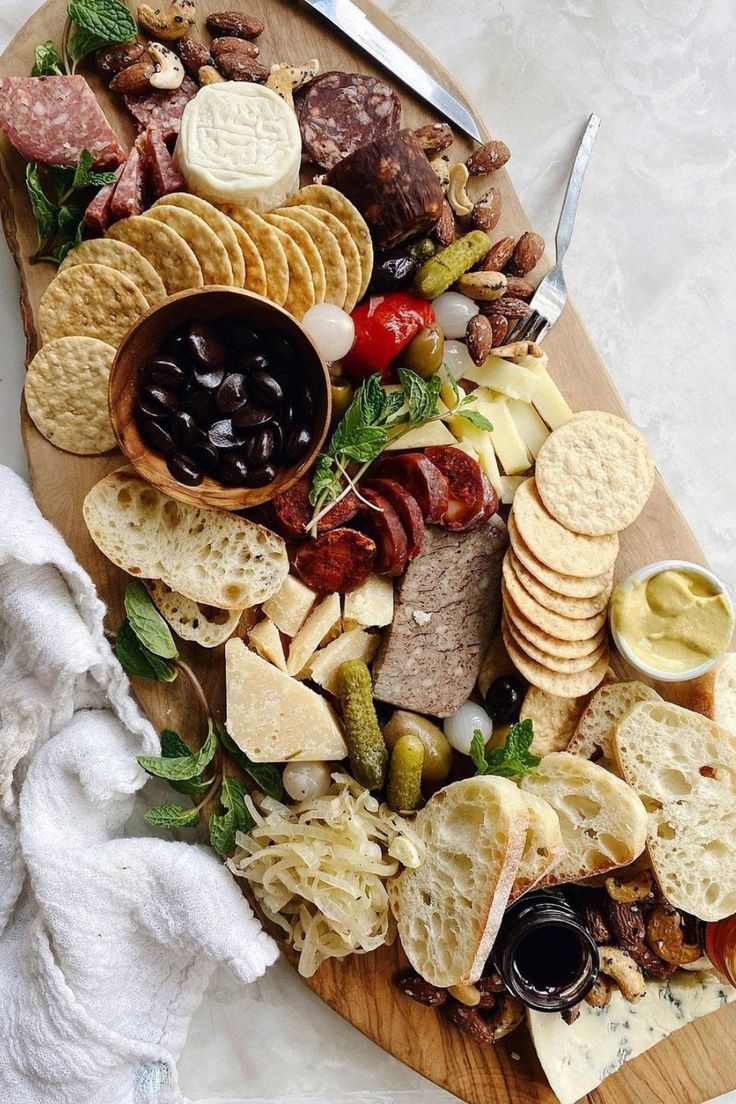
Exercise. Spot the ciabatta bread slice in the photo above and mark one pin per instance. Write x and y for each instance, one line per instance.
(602, 820)
(724, 712)
(450, 909)
(205, 625)
(543, 849)
(593, 737)
(684, 768)
(209, 556)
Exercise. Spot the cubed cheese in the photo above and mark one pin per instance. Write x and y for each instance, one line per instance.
(355, 644)
(371, 605)
(319, 623)
(290, 605)
(266, 640)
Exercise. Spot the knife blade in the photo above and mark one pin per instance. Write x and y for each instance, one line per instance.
(354, 23)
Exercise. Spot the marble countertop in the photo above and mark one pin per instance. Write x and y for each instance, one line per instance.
(651, 271)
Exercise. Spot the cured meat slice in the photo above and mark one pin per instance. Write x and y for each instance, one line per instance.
(128, 197)
(161, 169)
(53, 119)
(393, 185)
(97, 216)
(337, 561)
(339, 112)
(162, 109)
(423, 480)
(407, 508)
(465, 482)
(293, 512)
(384, 525)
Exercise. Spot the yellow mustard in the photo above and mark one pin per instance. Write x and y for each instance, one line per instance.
(673, 621)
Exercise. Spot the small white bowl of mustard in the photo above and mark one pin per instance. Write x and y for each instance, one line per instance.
(672, 620)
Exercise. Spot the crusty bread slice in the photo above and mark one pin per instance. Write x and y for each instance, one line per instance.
(210, 556)
(724, 712)
(593, 736)
(450, 909)
(195, 621)
(543, 849)
(602, 820)
(684, 768)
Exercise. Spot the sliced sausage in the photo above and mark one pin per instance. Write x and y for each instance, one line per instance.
(384, 525)
(465, 481)
(339, 112)
(293, 512)
(97, 215)
(423, 480)
(128, 197)
(337, 561)
(407, 507)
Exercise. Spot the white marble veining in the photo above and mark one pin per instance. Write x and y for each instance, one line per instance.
(651, 270)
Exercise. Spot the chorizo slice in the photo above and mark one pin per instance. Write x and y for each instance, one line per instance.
(382, 522)
(407, 507)
(465, 482)
(337, 561)
(293, 512)
(423, 480)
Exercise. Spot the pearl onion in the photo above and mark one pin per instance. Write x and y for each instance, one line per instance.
(453, 311)
(305, 781)
(457, 359)
(459, 728)
(331, 330)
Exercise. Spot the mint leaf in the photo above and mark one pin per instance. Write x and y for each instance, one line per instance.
(421, 395)
(513, 759)
(44, 211)
(173, 747)
(86, 177)
(108, 20)
(222, 833)
(478, 751)
(82, 43)
(183, 768)
(223, 827)
(172, 816)
(131, 656)
(47, 61)
(475, 418)
(265, 775)
(147, 623)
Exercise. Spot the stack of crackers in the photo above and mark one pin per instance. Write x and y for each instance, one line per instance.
(593, 477)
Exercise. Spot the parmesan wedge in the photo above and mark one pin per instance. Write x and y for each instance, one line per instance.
(547, 398)
(265, 638)
(316, 627)
(507, 441)
(371, 605)
(512, 380)
(355, 644)
(530, 426)
(290, 605)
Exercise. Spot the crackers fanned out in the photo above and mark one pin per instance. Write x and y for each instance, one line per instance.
(66, 394)
(167, 251)
(124, 258)
(90, 300)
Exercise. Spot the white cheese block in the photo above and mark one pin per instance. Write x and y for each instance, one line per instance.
(371, 605)
(266, 640)
(274, 718)
(290, 605)
(355, 644)
(507, 441)
(510, 485)
(532, 429)
(506, 377)
(320, 621)
(240, 143)
(578, 1057)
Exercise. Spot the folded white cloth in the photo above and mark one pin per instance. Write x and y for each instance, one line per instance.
(107, 943)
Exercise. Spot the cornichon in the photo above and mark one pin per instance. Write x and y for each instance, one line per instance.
(404, 792)
(366, 745)
(441, 271)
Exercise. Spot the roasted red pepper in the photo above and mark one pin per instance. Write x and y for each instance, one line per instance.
(384, 326)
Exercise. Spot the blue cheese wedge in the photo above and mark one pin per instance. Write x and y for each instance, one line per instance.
(240, 143)
(577, 1058)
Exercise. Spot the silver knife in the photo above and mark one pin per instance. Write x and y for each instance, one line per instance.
(354, 23)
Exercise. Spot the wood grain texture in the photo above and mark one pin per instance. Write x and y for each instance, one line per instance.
(696, 1063)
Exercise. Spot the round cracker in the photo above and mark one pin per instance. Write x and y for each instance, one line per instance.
(568, 585)
(66, 394)
(307, 247)
(349, 250)
(595, 473)
(336, 277)
(564, 628)
(554, 663)
(255, 270)
(124, 258)
(90, 300)
(219, 223)
(166, 250)
(562, 686)
(562, 550)
(564, 649)
(575, 608)
(268, 244)
(202, 240)
(554, 719)
(300, 296)
(330, 199)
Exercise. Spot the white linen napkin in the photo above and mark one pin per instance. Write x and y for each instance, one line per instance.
(107, 943)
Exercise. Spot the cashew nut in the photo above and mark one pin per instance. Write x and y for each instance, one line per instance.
(600, 995)
(484, 286)
(441, 166)
(506, 1017)
(457, 193)
(667, 939)
(637, 888)
(209, 75)
(624, 971)
(284, 79)
(170, 21)
(169, 72)
(518, 349)
(466, 994)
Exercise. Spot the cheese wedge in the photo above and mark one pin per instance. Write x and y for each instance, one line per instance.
(319, 623)
(240, 143)
(509, 486)
(371, 605)
(290, 605)
(266, 640)
(355, 644)
(507, 441)
(509, 379)
(530, 426)
(274, 718)
(547, 398)
(435, 433)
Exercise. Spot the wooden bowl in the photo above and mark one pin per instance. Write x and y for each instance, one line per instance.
(144, 340)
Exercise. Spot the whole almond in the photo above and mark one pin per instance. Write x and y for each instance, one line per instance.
(487, 211)
(488, 158)
(194, 54)
(510, 307)
(499, 255)
(500, 327)
(234, 23)
(414, 986)
(236, 66)
(479, 338)
(470, 1021)
(527, 253)
(116, 58)
(224, 45)
(136, 79)
(517, 286)
(445, 230)
(434, 138)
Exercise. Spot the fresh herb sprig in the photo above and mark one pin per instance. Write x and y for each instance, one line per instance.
(59, 198)
(377, 417)
(91, 25)
(513, 759)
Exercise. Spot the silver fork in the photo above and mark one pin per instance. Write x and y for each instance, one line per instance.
(550, 296)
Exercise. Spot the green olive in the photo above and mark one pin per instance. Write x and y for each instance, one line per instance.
(342, 396)
(437, 751)
(404, 790)
(423, 250)
(426, 352)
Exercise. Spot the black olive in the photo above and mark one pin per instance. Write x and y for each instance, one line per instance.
(209, 378)
(239, 335)
(504, 698)
(176, 346)
(185, 430)
(232, 469)
(204, 346)
(260, 477)
(253, 362)
(298, 443)
(157, 436)
(260, 448)
(278, 440)
(159, 399)
(148, 408)
(288, 414)
(222, 436)
(184, 470)
(205, 457)
(232, 393)
(392, 271)
(281, 349)
(251, 417)
(306, 404)
(166, 373)
(201, 405)
(266, 388)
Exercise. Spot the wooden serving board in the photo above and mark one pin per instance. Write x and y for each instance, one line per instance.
(698, 1062)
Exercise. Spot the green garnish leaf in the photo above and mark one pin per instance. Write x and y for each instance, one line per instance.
(421, 395)
(513, 760)
(86, 177)
(47, 61)
(172, 816)
(82, 43)
(108, 20)
(478, 752)
(173, 747)
(223, 827)
(44, 212)
(182, 768)
(265, 775)
(475, 418)
(147, 623)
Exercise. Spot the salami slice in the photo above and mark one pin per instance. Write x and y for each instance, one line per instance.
(339, 112)
(128, 197)
(465, 480)
(337, 561)
(161, 169)
(97, 216)
(407, 508)
(53, 119)
(162, 109)
(385, 527)
(293, 512)
(421, 478)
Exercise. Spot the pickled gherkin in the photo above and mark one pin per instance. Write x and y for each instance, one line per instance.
(366, 745)
(446, 267)
(405, 774)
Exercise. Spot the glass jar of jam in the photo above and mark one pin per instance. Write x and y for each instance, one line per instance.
(545, 954)
(720, 947)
